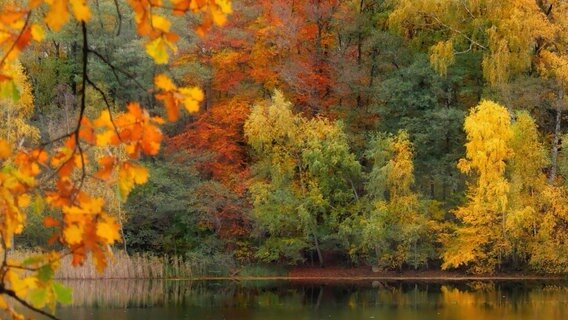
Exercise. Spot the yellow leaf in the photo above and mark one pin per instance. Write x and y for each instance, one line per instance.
(140, 174)
(191, 98)
(104, 120)
(130, 174)
(17, 284)
(161, 23)
(225, 6)
(157, 50)
(164, 82)
(195, 92)
(72, 234)
(37, 32)
(218, 16)
(108, 230)
(105, 138)
(81, 10)
(57, 14)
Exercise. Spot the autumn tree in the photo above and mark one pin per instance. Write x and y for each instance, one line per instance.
(17, 108)
(548, 249)
(55, 172)
(513, 37)
(481, 241)
(527, 185)
(303, 180)
(396, 229)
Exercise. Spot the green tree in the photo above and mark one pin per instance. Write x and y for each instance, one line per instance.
(303, 180)
(396, 229)
(428, 107)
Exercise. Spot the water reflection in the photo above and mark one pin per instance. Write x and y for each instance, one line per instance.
(125, 299)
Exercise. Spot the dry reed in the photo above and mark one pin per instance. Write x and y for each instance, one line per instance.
(124, 266)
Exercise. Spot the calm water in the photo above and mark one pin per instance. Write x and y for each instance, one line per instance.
(120, 299)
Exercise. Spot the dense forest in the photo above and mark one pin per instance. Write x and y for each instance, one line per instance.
(399, 134)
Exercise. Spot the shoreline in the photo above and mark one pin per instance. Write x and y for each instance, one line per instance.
(345, 279)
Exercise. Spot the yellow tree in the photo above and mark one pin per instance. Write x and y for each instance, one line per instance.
(54, 172)
(553, 62)
(549, 247)
(15, 113)
(480, 241)
(513, 36)
(527, 184)
(505, 31)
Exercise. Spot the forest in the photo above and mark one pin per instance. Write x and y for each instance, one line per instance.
(394, 134)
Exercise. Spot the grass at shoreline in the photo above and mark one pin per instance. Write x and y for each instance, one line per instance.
(146, 266)
(123, 266)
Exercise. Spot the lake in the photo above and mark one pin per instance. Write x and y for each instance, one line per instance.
(282, 300)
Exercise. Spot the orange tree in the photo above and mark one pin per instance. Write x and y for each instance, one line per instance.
(54, 173)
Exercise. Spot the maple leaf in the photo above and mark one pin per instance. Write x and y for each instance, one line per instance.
(81, 10)
(171, 96)
(57, 15)
(108, 229)
(191, 97)
(38, 34)
(73, 234)
(164, 82)
(129, 175)
(157, 49)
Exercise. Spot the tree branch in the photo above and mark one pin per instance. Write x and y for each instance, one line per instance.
(12, 293)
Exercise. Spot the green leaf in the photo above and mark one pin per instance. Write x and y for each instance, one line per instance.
(45, 273)
(32, 260)
(38, 297)
(63, 294)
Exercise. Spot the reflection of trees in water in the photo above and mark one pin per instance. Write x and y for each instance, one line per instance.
(458, 300)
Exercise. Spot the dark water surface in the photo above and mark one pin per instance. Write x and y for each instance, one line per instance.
(477, 300)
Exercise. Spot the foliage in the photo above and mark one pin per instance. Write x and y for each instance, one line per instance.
(527, 184)
(397, 229)
(302, 180)
(504, 31)
(15, 113)
(428, 108)
(481, 241)
(54, 173)
(244, 179)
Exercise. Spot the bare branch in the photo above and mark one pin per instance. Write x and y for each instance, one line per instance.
(115, 68)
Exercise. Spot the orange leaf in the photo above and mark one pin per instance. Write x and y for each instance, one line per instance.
(106, 164)
(164, 82)
(108, 230)
(5, 149)
(73, 234)
(81, 10)
(57, 15)
(51, 222)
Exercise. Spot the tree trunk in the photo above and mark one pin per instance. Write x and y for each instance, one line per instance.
(316, 243)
